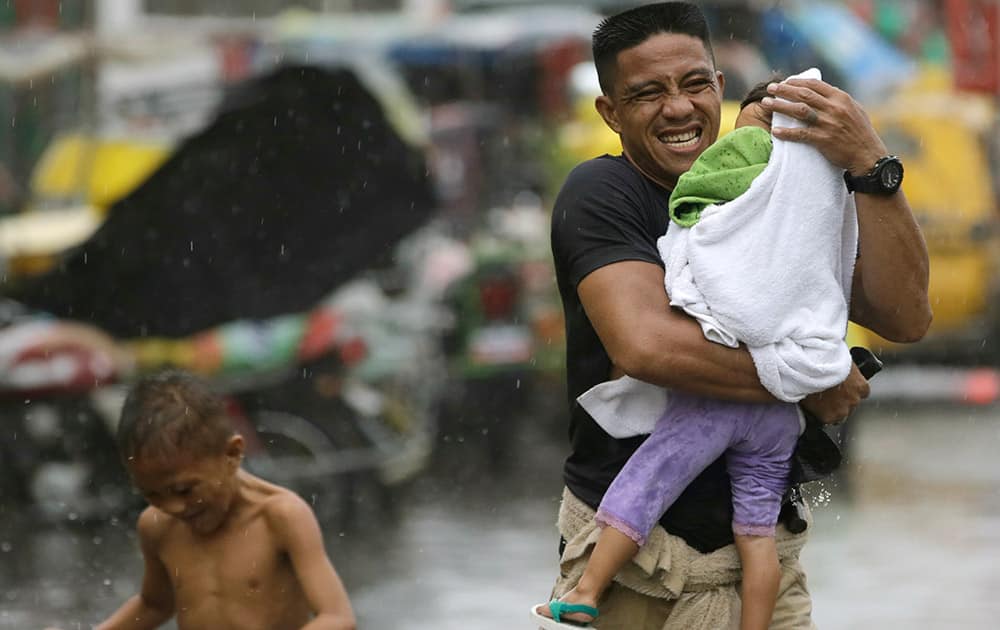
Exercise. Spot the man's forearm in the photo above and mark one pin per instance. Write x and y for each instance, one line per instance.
(890, 290)
(695, 364)
(649, 340)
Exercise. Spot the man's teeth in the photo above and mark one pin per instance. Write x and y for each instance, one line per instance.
(682, 139)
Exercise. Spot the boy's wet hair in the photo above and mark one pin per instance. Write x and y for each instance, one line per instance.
(630, 28)
(172, 413)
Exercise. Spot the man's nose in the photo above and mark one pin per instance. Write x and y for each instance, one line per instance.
(676, 106)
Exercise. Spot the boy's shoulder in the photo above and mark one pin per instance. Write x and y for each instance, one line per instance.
(281, 506)
(282, 500)
(153, 525)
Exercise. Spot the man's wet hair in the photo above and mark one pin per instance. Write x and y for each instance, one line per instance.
(630, 28)
(172, 413)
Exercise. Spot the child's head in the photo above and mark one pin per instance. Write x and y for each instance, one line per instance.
(180, 449)
(751, 112)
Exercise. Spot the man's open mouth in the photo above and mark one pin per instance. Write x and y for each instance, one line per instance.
(681, 140)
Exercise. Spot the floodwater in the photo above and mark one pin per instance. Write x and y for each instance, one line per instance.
(908, 537)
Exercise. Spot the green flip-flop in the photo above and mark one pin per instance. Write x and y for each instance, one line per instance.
(558, 609)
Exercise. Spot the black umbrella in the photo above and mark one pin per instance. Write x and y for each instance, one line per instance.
(298, 184)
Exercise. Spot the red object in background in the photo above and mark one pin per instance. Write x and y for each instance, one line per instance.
(498, 297)
(68, 369)
(982, 387)
(864, 9)
(975, 44)
(236, 54)
(557, 60)
(37, 13)
(322, 329)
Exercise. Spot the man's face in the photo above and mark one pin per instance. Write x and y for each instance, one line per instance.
(666, 104)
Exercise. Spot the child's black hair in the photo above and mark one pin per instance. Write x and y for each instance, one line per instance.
(759, 91)
(172, 413)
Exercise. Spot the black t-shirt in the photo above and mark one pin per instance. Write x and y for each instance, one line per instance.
(608, 212)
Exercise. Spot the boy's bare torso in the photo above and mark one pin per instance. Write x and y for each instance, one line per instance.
(237, 576)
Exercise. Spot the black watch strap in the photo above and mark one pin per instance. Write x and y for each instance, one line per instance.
(885, 177)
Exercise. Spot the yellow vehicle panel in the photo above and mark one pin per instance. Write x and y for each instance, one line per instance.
(948, 185)
(94, 171)
(74, 182)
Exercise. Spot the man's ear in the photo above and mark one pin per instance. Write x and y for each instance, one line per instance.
(721, 78)
(607, 111)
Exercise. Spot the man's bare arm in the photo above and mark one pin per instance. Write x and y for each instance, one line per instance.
(889, 293)
(649, 340)
(653, 342)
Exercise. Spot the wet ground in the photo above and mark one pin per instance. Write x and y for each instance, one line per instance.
(910, 538)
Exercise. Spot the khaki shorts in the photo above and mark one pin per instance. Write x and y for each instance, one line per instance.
(625, 609)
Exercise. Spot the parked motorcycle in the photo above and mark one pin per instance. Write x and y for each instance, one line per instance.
(337, 404)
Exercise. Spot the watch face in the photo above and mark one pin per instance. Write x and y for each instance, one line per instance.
(891, 175)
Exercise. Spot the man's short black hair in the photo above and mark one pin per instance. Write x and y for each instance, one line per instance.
(172, 413)
(632, 27)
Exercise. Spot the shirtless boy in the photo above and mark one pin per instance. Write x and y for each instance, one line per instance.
(222, 548)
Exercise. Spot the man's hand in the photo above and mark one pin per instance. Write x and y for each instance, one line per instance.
(837, 403)
(834, 123)
(889, 294)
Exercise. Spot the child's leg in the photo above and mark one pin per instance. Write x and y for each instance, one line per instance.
(612, 551)
(758, 465)
(761, 574)
(691, 435)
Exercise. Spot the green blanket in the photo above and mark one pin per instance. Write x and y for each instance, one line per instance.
(722, 173)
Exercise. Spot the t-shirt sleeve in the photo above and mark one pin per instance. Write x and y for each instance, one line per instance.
(601, 216)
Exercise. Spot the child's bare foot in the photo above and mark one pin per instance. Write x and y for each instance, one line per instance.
(573, 607)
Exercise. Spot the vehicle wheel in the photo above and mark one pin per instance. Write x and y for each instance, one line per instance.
(289, 445)
(283, 435)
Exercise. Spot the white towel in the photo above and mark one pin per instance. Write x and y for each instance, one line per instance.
(625, 407)
(772, 269)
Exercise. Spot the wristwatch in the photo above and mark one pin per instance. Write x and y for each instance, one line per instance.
(884, 178)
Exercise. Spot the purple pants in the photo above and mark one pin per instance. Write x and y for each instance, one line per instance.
(757, 438)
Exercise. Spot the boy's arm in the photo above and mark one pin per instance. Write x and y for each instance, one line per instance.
(298, 532)
(154, 604)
